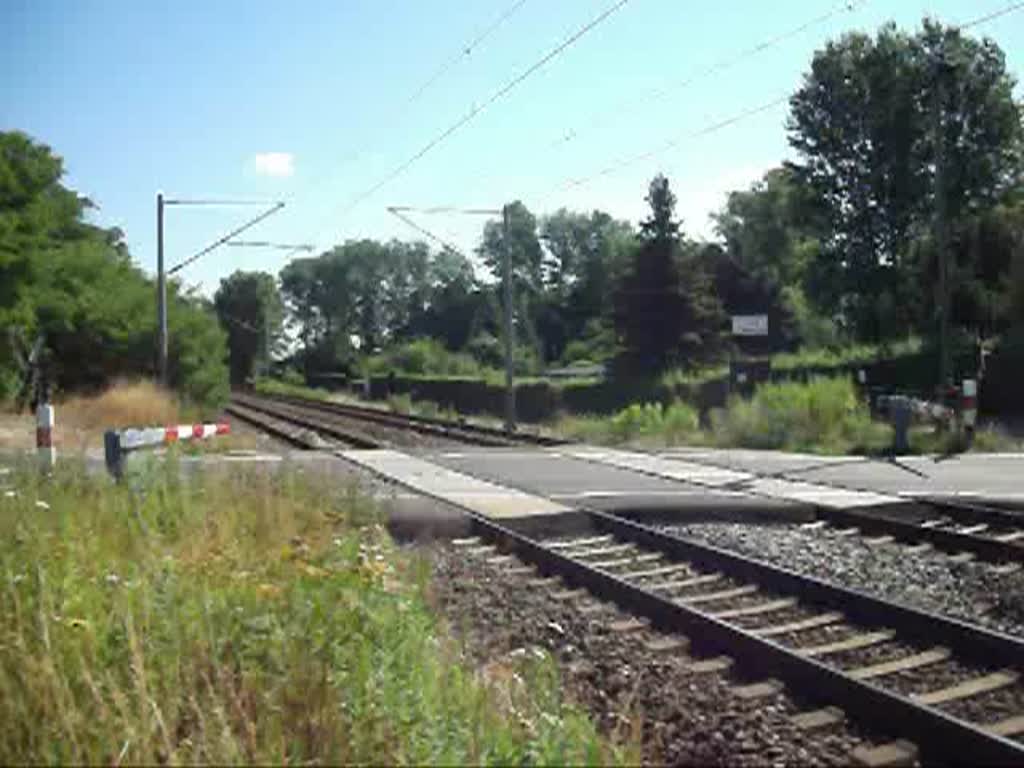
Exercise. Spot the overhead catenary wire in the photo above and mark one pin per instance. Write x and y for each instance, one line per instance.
(846, 6)
(672, 143)
(477, 109)
(993, 15)
(464, 51)
(467, 49)
(221, 240)
(397, 213)
(624, 108)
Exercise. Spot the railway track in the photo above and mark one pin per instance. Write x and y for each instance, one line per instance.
(949, 687)
(964, 530)
(358, 427)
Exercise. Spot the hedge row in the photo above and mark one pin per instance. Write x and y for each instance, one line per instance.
(538, 401)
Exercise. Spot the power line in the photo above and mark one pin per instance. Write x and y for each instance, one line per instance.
(396, 212)
(220, 241)
(672, 143)
(476, 110)
(464, 51)
(180, 201)
(467, 49)
(601, 117)
(847, 6)
(994, 15)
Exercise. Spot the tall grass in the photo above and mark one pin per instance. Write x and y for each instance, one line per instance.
(268, 386)
(125, 404)
(242, 618)
(640, 422)
(825, 415)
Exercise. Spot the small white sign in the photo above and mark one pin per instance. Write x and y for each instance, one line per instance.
(750, 325)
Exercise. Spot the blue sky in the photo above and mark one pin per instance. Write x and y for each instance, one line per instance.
(310, 102)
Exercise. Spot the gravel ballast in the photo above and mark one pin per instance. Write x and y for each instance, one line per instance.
(924, 580)
(684, 717)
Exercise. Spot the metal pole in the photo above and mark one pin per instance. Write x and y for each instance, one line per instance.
(506, 268)
(941, 224)
(161, 294)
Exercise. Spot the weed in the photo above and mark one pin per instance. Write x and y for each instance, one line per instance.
(243, 617)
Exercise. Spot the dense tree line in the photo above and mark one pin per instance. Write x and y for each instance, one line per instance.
(75, 284)
(907, 145)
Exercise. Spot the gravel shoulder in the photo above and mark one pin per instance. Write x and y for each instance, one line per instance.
(925, 580)
(631, 689)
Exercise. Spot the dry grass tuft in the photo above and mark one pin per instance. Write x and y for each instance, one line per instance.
(125, 404)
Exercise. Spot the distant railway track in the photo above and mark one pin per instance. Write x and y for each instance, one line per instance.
(359, 427)
(960, 528)
(950, 687)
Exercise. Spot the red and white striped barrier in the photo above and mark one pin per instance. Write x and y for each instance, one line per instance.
(117, 443)
(44, 437)
(150, 436)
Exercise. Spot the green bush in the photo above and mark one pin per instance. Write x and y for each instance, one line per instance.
(824, 415)
(423, 357)
(651, 422)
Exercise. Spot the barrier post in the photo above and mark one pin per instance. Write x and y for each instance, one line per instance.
(969, 407)
(113, 454)
(44, 437)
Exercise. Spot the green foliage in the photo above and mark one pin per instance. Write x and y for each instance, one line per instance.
(848, 354)
(666, 313)
(645, 422)
(422, 357)
(243, 618)
(268, 386)
(250, 310)
(825, 415)
(76, 284)
(870, 121)
(769, 228)
(400, 404)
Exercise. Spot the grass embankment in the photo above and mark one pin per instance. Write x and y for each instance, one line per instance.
(242, 618)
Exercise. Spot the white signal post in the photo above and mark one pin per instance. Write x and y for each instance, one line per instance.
(44, 437)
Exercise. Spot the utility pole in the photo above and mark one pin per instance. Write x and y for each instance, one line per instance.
(506, 269)
(161, 273)
(941, 219)
(161, 294)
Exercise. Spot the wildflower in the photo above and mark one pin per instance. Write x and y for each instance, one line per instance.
(42, 504)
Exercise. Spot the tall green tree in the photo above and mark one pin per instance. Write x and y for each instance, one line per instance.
(75, 283)
(868, 123)
(662, 318)
(526, 258)
(586, 254)
(251, 312)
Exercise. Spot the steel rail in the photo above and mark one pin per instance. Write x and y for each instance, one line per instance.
(481, 435)
(940, 737)
(355, 439)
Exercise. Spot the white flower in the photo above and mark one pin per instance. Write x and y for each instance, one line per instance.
(113, 579)
(10, 494)
(42, 504)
